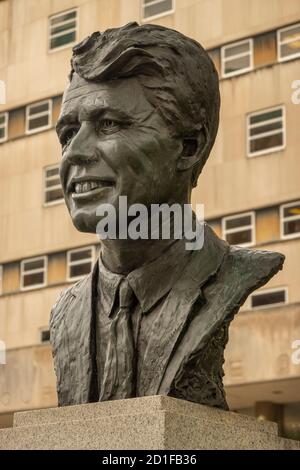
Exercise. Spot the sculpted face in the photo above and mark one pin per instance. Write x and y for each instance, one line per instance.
(114, 143)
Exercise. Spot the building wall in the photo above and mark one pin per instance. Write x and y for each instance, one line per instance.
(28, 380)
(30, 71)
(231, 182)
(260, 341)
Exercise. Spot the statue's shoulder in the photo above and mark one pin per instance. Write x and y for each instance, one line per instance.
(235, 264)
(249, 262)
(237, 271)
(63, 302)
(245, 270)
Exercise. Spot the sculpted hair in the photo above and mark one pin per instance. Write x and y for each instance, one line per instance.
(177, 75)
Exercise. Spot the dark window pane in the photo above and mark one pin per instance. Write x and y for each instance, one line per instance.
(63, 17)
(80, 255)
(45, 336)
(238, 238)
(237, 64)
(53, 182)
(33, 279)
(264, 143)
(234, 50)
(291, 211)
(65, 27)
(269, 298)
(290, 49)
(293, 226)
(2, 119)
(39, 122)
(54, 195)
(292, 33)
(158, 8)
(266, 116)
(2, 133)
(63, 40)
(38, 264)
(39, 108)
(52, 171)
(238, 222)
(80, 269)
(266, 128)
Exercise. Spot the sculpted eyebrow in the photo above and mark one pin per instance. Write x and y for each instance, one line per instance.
(90, 114)
(96, 112)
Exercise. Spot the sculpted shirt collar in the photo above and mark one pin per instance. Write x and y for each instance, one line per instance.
(150, 282)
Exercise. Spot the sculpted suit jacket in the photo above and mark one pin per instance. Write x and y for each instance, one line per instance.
(185, 352)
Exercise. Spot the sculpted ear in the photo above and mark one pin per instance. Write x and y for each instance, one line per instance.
(194, 150)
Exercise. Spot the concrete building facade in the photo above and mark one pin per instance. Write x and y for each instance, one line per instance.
(250, 185)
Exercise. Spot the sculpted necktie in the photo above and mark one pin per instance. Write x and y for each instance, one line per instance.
(118, 374)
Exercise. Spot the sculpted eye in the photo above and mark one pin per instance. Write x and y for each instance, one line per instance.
(108, 125)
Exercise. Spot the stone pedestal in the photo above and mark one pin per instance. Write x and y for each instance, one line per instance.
(150, 423)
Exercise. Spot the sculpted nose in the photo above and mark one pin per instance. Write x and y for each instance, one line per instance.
(82, 148)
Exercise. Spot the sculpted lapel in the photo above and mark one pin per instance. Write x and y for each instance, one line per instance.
(171, 323)
(72, 337)
(245, 270)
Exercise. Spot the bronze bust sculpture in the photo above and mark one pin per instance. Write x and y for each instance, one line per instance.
(139, 119)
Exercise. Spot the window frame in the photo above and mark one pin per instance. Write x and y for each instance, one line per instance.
(226, 59)
(44, 270)
(279, 43)
(158, 15)
(5, 127)
(27, 117)
(252, 226)
(45, 189)
(268, 291)
(70, 44)
(249, 127)
(72, 263)
(286, 219)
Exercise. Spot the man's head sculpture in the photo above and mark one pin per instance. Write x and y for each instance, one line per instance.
(139, 119)
(147, 99)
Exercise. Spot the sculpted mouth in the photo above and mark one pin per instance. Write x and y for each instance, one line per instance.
(89, 188)
(80, 188)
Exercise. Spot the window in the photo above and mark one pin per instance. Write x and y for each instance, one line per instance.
(239, 229)
(38, 116)
(53, 193)
(34, 273)
(237, 58)
(3, 126)
(44, 335)
(288, 42)
(269, 298)
(80, 262)
(266, 131)
(290, 220)
(154, 8)
(1, 279)
(63, 29)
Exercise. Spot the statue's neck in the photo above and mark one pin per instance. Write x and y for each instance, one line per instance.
(123, 256)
